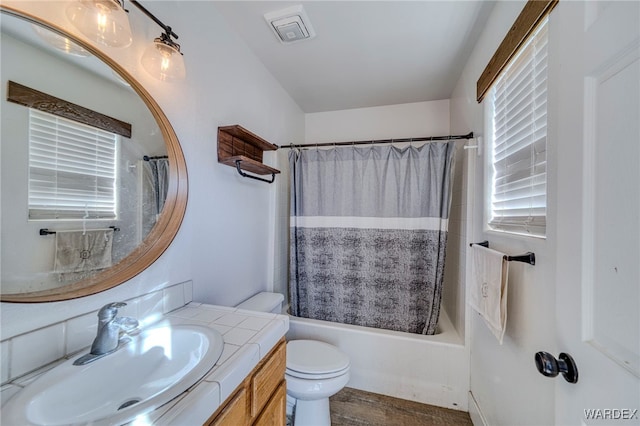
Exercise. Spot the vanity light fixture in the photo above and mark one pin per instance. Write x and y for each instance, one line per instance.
(106, 22)
(103, 21)
(162, 59)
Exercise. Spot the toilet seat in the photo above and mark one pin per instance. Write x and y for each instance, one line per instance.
(310, 359)
(300, 375)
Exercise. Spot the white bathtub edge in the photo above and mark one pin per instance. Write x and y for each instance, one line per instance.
(428, 369)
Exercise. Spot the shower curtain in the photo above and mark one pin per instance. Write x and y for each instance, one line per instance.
(159, 176)
(155, 183)
(368, 233)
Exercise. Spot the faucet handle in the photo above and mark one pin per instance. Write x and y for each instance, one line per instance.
(127, 325)
(110, 309)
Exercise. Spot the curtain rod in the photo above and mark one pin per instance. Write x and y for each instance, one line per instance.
(374, 141)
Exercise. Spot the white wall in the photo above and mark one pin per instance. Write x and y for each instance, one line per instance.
(232, 217)
(384, 122)
(453, 290)
(225, 244)
(504, 381)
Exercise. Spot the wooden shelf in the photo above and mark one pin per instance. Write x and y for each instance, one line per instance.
(240, 132)
(237, 143)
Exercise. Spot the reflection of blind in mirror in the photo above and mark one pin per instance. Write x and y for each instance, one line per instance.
(72, 169)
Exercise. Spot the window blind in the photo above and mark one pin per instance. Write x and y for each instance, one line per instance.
(72, 169)
(519, 109)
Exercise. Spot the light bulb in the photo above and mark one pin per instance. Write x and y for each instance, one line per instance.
(163, 60)
(60, 42)
(103, 21)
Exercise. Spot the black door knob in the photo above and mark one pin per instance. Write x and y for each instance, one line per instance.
(549, 366)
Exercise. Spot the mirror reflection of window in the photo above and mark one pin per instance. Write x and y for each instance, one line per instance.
(72, 169)
(82, 87)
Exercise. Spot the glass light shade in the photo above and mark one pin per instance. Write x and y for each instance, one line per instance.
(163, 61)
(60, 42)
(103, 21)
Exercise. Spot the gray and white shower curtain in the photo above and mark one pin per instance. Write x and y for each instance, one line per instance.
(368, 234)
(159, 176)
(155, 184)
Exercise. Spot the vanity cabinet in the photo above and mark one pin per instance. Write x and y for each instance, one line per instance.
(261, 398)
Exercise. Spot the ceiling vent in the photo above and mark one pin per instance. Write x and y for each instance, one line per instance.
(290, 25)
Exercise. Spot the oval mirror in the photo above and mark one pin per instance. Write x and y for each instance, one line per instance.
(73, 230)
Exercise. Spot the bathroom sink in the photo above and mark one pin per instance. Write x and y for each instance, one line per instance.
(156, 366)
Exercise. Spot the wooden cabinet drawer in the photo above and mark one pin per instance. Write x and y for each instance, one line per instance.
(275, 412)
(268, 377)
(236, 412)
(261, 399)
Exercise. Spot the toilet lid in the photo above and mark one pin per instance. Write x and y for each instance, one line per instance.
(313, 357)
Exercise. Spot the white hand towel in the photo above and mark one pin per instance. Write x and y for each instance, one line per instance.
(489, 283)
(78, 251)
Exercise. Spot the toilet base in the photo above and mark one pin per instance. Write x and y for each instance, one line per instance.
(312, 413)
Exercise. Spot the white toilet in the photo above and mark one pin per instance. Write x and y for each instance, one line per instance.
(315, 370)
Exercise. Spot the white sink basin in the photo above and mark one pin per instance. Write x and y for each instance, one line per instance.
(155, 367)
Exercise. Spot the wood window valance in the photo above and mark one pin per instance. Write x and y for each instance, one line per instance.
(32, 98)
(532, 14)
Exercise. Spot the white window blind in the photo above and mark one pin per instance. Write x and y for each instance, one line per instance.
(518, 102)
(72, 169)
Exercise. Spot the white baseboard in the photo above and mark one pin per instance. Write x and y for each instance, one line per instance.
(475, 413)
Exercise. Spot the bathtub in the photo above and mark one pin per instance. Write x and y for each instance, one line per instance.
(428, 369)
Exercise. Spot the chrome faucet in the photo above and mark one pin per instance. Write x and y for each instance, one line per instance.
(110, 333)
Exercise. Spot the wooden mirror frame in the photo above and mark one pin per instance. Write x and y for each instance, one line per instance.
(165, 229)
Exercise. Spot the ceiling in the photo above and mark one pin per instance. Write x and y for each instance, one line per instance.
(365, 53)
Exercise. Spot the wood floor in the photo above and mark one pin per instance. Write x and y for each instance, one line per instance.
(352, 407)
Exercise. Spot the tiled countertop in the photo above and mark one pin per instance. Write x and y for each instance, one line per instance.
(248, 337)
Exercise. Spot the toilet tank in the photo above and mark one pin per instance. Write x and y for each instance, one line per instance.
(264, 302)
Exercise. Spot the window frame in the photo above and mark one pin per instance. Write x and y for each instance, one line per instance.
(538, 228)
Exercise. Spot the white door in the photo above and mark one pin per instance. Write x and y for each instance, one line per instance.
(597, 137)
